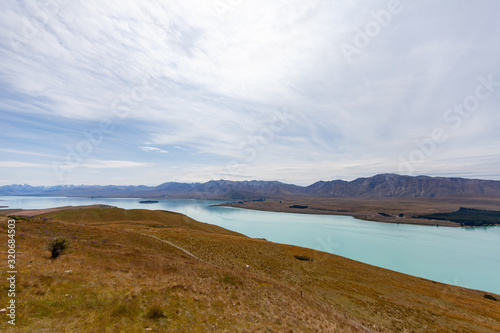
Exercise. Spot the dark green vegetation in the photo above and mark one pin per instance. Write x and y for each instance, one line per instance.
(15, 217)
(298, 206)
(303, 258)
(467, 216)
(58, 246)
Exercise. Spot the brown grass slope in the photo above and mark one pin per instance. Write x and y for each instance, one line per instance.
(116, 278)
(133, 218)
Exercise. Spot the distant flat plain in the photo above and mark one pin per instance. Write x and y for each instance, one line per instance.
(376, 209)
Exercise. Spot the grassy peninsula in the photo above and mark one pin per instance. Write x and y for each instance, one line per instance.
(417, 211)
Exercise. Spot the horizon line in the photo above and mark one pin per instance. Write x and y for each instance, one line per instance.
(252, 180)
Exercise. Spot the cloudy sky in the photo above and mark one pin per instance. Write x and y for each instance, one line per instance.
(144, 92)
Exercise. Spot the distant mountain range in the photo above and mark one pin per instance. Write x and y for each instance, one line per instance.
(384, 185)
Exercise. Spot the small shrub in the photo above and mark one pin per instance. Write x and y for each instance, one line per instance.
(490, 297)
(155, 312)
(58, 246)
(303, 258)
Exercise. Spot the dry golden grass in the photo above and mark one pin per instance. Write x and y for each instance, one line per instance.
(123, 280)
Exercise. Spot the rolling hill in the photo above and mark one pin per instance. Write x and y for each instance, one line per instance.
(141, 270)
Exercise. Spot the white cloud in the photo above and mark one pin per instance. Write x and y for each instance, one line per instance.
(154, 149)
(101, 164)
(193, 83)
(18, 164)
(22, 152)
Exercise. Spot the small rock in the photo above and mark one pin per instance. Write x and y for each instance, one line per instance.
(149, 329)
(4, 310)
(68, 271)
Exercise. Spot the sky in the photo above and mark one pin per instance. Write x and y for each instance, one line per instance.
(146, 92)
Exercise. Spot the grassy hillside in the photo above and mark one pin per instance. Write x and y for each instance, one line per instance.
(116, 277)
(136, 218)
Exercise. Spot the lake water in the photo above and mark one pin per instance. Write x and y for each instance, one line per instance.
(468, 257)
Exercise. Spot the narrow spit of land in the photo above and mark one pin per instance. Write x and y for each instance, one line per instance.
(389, 210)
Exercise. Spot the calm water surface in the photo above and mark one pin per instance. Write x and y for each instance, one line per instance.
(468, 257)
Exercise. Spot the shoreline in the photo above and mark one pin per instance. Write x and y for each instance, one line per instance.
(384, 210)
(371, 218)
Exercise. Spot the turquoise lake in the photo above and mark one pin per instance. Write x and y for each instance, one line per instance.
(468, 257)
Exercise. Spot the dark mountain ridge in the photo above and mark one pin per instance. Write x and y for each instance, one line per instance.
(392, 185)
(383, 185)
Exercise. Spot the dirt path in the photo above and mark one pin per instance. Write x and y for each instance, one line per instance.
(172, 244)
(180, 248)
